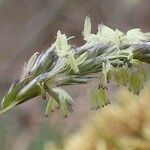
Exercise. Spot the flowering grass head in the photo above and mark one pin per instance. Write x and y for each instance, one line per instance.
(116, 57)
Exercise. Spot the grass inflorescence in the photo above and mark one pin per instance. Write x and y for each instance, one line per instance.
(116, 56)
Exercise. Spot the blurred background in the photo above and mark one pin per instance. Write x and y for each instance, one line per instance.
(28, 26)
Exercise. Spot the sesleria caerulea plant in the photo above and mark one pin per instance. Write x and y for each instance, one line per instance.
(116, 57)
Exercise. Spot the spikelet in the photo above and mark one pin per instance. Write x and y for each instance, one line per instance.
(87, 27)
(136, 83)
(61, 44)
(121, 75)
(64, 102)
(51, 106)
(98, 97)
